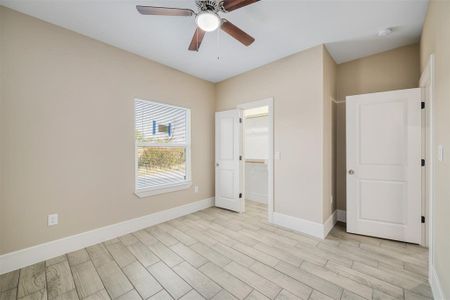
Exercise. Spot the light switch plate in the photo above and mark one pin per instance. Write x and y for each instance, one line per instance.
(277, 155)
(196, 189)
(52, 219)
(440, 152)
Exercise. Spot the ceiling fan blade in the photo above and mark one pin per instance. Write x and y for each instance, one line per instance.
(164, 11)
(237, 33)
(196, 39)
(230, 5)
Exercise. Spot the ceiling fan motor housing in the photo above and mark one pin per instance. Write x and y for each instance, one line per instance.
(210, 5)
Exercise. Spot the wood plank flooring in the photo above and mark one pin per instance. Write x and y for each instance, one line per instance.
(217, 254)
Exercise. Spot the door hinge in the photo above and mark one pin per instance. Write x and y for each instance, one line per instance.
(240, 195)
(422, 162)
(422, 105)
(240, 120)
(240, 157)
(422, 219)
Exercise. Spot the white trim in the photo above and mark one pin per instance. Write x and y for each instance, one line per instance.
(161, 145)
(25, 257)
(428, 76)
(341, 215)
(270, 171)
(305, 226)
(337, 102)
(329, 224)
(162, 190)
(435, 283)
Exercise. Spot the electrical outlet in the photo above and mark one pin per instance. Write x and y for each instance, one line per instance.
(52, 219)
(196, 189)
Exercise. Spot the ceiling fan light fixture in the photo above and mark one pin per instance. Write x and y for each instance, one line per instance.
(207, 21)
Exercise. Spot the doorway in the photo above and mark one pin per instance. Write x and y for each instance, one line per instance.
(256, 140)
(257, 163)
(244, 156)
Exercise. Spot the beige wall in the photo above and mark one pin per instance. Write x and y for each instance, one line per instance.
(436, 39)
(296, 84)
(392, 70)
(66, 105)
(329, 94)
(68, 143)
(67, 121)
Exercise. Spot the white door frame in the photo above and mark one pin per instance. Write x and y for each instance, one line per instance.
(427, 77)
(265, 102)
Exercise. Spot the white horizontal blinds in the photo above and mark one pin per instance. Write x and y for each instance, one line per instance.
(160, 124)
(161, 140)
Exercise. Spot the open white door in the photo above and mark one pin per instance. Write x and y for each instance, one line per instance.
(228, 164)
(384, 165)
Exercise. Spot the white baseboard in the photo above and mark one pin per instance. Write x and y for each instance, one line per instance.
(435, 284)
(329, 224)
(25, 257)
(312, 228)
(341, 215)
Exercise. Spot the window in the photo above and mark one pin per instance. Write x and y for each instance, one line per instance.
(162, 134)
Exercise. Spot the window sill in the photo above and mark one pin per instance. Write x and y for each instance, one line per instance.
(162, 190)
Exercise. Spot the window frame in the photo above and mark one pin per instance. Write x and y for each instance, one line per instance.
(166, 188)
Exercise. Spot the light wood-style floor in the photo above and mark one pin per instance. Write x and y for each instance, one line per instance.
(217, 254)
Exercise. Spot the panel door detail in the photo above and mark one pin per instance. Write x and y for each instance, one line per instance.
(384, 165)
(228, 144)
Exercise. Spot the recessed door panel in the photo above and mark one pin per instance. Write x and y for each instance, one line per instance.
(382, 133)
(226, 187)
(376, 196)
(226, 138)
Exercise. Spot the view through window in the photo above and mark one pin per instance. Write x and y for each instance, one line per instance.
(162, 145)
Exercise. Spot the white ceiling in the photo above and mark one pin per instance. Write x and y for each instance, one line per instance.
(280, 27)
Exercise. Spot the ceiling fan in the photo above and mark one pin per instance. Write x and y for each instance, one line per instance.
(207, 18)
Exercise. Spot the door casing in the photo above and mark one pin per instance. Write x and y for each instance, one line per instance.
(427, 82)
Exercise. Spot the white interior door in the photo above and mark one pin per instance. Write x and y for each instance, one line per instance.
(384, 165)
(228, 164)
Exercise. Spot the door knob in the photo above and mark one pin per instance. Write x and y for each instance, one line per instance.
(351, 172)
